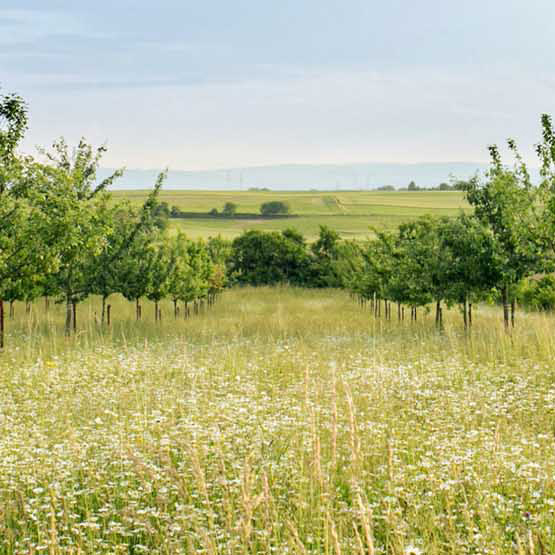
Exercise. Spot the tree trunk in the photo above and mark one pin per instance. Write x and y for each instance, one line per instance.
(137, 309)
(108, 311)
(505, 295)
(46, 303)
(1, 324)
(74, 309)
(186, 310)
(399, 311)
(68, 318)
(465, 314)
(469, 315)
(12, 309)
(175, 308)
(513, 310)
(103, 311)
(156, 311)
(438, 314)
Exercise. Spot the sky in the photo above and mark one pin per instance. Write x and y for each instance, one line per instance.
(213, 84)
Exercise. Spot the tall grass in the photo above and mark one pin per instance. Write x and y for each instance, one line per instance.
(281, 421)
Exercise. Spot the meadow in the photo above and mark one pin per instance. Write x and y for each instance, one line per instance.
(281, 421)
(351, 213)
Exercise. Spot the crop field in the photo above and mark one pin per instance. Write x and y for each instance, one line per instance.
(281, 421)
(352, 213)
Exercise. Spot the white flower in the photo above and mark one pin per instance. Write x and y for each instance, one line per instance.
(412, 550)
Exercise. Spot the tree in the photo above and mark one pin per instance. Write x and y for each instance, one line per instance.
(274, 207)
(26, 239)
(125, 227)
(266, 258)
(325, 251)
(79, 218)
(472, 269)
(230, 209)
(507, 204)
(161, 264)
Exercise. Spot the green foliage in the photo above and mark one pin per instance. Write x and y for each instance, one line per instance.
(537, 294)
(274, 207)
(230, 208)
(260, 258)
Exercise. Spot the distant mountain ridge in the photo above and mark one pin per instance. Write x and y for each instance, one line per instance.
(304, 176)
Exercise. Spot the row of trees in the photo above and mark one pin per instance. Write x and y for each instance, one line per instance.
(63, 236)
(509, 237)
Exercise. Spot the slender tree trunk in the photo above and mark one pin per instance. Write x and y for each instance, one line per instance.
(465, 314)
(108, 312)
(1, 324)
(438, 313)
(186, 310)
(402, 313)
(399, 311)
(74, 310)
(156, 311)
(505, 295)
(103, 310)
(137, 309)
(159, 314)
(175, 308)
(12, 309)
(46, 303)
(68, 318)
(513, 310)
(469, 315)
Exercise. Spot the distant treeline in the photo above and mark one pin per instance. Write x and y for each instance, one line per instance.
(268, 211)
(458, 185)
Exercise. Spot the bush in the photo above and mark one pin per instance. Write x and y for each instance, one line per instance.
(274, 207)
(538, 294)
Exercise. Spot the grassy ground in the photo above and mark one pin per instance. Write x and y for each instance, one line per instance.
(282, 421)
(352, 213)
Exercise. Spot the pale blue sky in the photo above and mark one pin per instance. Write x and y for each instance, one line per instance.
(248, 82)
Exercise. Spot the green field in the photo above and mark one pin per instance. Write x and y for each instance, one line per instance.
(351, 213)
(281, 421)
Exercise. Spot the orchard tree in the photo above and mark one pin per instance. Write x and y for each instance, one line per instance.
(27, 244)
(472, 264)
(125, 227)
(79, 217)
(507, 203)
(161, 264)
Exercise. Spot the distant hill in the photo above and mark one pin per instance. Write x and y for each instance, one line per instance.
(305, 176)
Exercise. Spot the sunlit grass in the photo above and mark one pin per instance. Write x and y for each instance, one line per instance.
(281, 421)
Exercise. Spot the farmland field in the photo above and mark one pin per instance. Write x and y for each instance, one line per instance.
(352, 213)
(281, 421)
